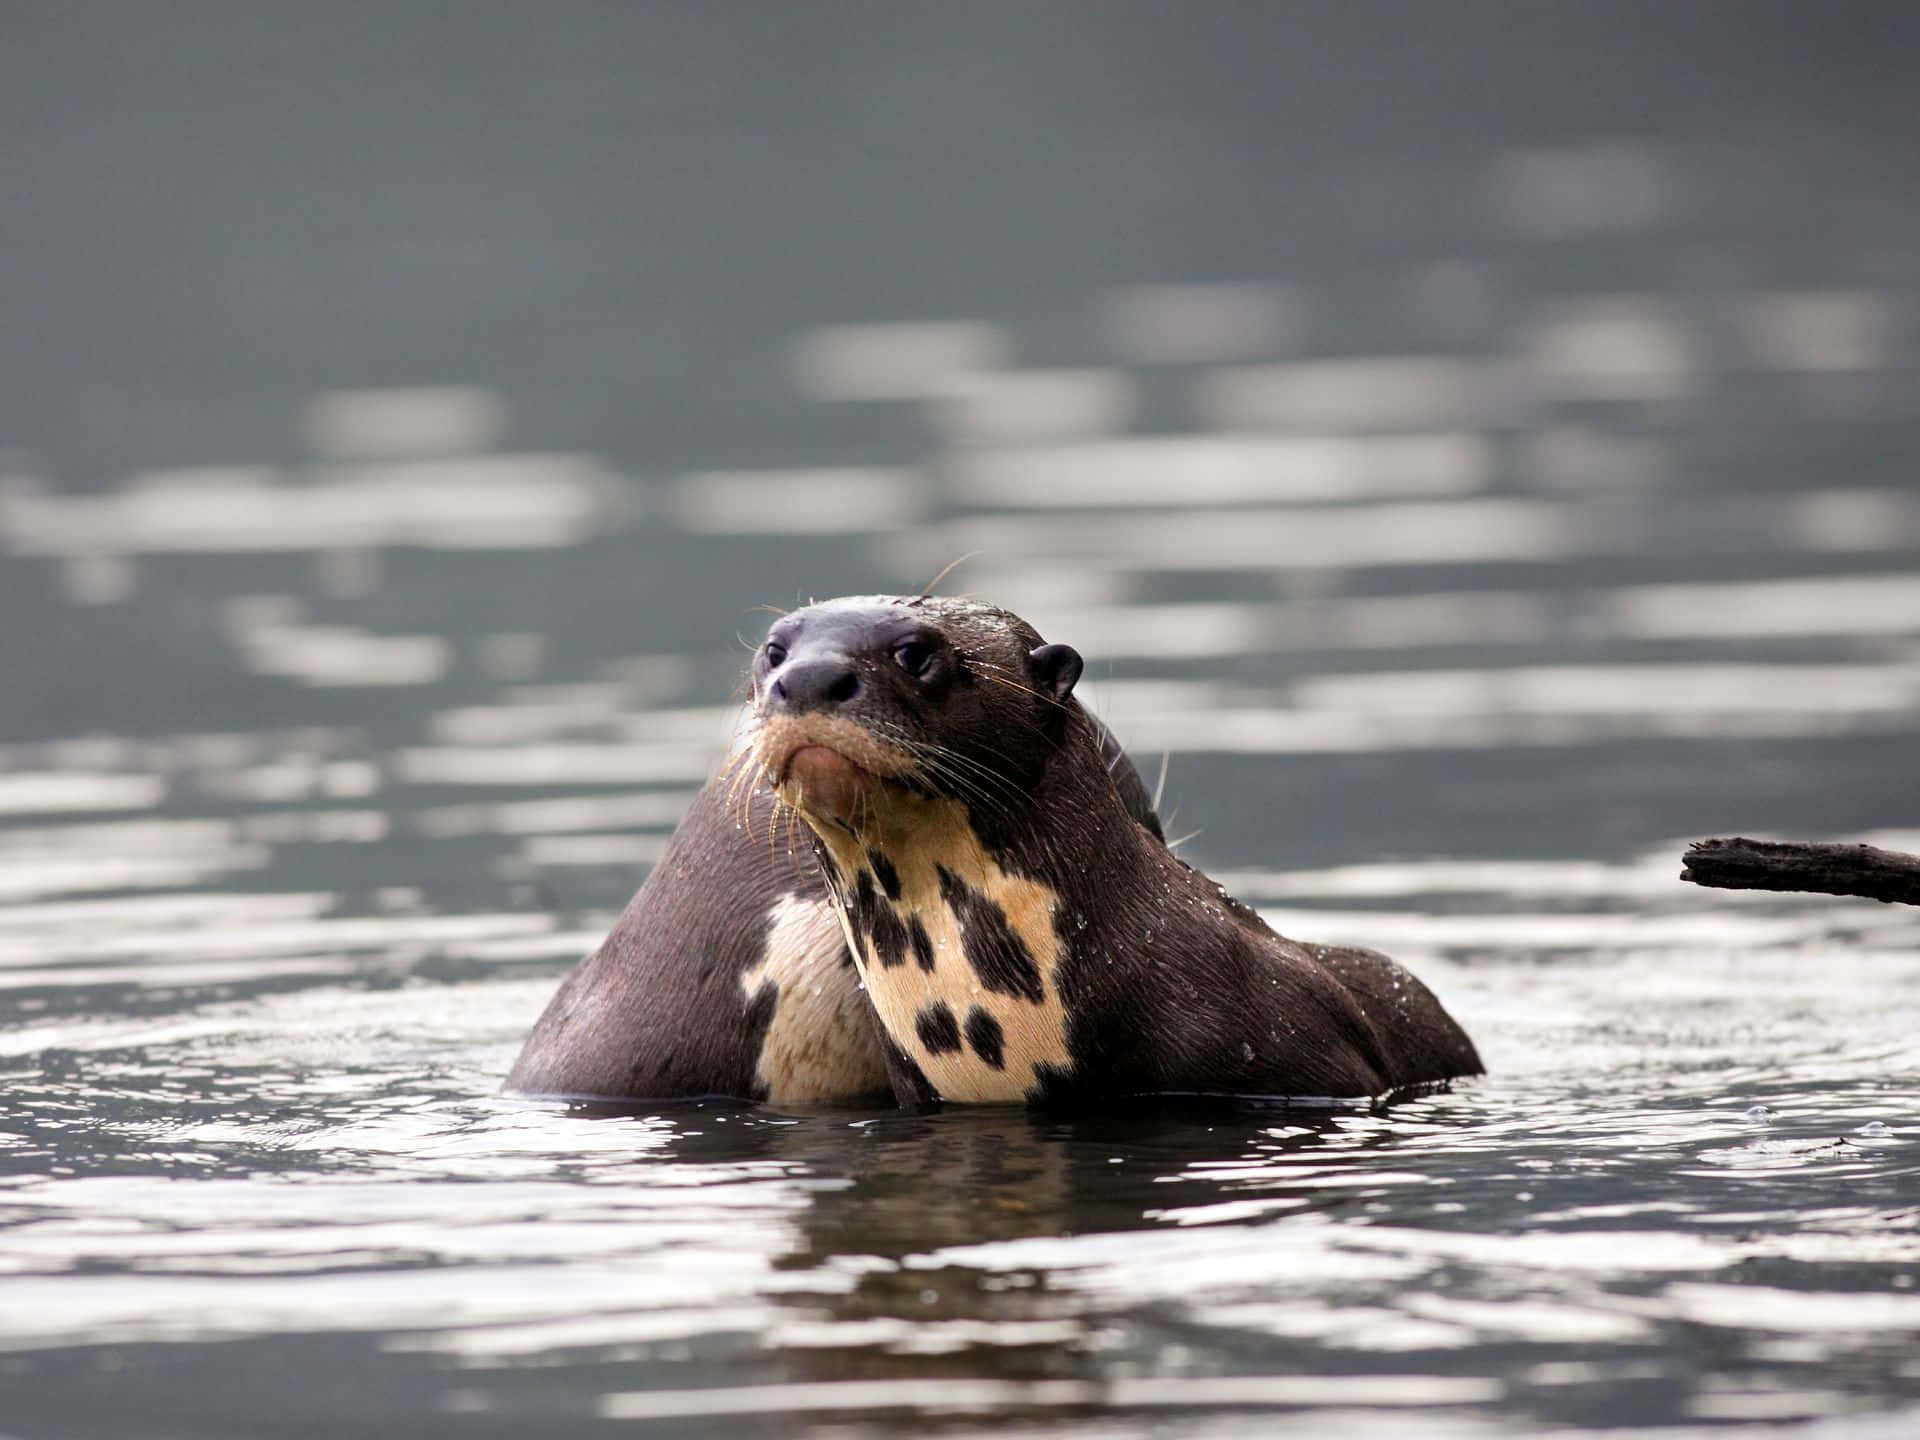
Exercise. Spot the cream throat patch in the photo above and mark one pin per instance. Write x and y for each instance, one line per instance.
(818, 1046)
(958, 956)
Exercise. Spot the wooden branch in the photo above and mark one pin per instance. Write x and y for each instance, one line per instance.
(1740, 864)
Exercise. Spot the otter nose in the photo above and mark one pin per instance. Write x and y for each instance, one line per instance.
(817, 683)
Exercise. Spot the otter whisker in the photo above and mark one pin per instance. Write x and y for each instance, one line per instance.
(926, 591)
(971, 781)
(966, 790)
(985, 779)
(985, 674)
(977, 777)
(743, 776)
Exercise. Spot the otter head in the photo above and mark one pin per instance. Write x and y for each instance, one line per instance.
(869, 706)
(932, 747)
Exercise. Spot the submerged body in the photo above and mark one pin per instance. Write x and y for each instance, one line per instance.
(1021, 935)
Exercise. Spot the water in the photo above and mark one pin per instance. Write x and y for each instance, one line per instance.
(1477, 495)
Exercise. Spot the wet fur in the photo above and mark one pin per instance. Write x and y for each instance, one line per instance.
(728, 974)
(1151, 978)
(687, 990)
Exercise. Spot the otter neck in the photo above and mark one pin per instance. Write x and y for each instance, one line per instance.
(959, 921)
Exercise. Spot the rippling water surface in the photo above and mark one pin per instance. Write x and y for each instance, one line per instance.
(1542, 499)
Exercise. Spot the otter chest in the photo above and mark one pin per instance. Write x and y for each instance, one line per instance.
(959, 957)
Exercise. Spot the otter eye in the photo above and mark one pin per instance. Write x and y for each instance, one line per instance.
(914, 657)
(776, 652)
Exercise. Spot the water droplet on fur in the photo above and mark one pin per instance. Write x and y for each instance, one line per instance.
(1079, 920)
(1246, 1051)
(1757, 1115)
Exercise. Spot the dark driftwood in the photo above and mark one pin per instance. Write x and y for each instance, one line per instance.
(1740, 864)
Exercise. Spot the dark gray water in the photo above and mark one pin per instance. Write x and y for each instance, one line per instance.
(1478, 443)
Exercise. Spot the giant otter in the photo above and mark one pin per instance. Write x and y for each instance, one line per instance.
(728, 973)
(1021, 935)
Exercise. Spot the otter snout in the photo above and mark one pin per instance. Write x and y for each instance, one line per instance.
(817, 682)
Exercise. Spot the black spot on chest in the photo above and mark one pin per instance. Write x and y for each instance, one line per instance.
(921, 944)
(937, 1029)
(887, 935)
(864, 902)
(888, 876)
(998, 956)
(986, 1038)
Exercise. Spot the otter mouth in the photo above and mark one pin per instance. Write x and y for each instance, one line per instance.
(828, 766)
(828, 782)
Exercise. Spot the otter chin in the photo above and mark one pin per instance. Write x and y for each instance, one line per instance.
(1023, 934)
(821, 779)
(824, 766)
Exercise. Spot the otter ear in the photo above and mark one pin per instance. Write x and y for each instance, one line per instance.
(1056, 669)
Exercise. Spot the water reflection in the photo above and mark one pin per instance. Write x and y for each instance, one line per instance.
(1185, 1259)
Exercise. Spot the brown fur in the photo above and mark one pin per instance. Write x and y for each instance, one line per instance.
(714, 981)
(1108, 965)
(729, 973)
